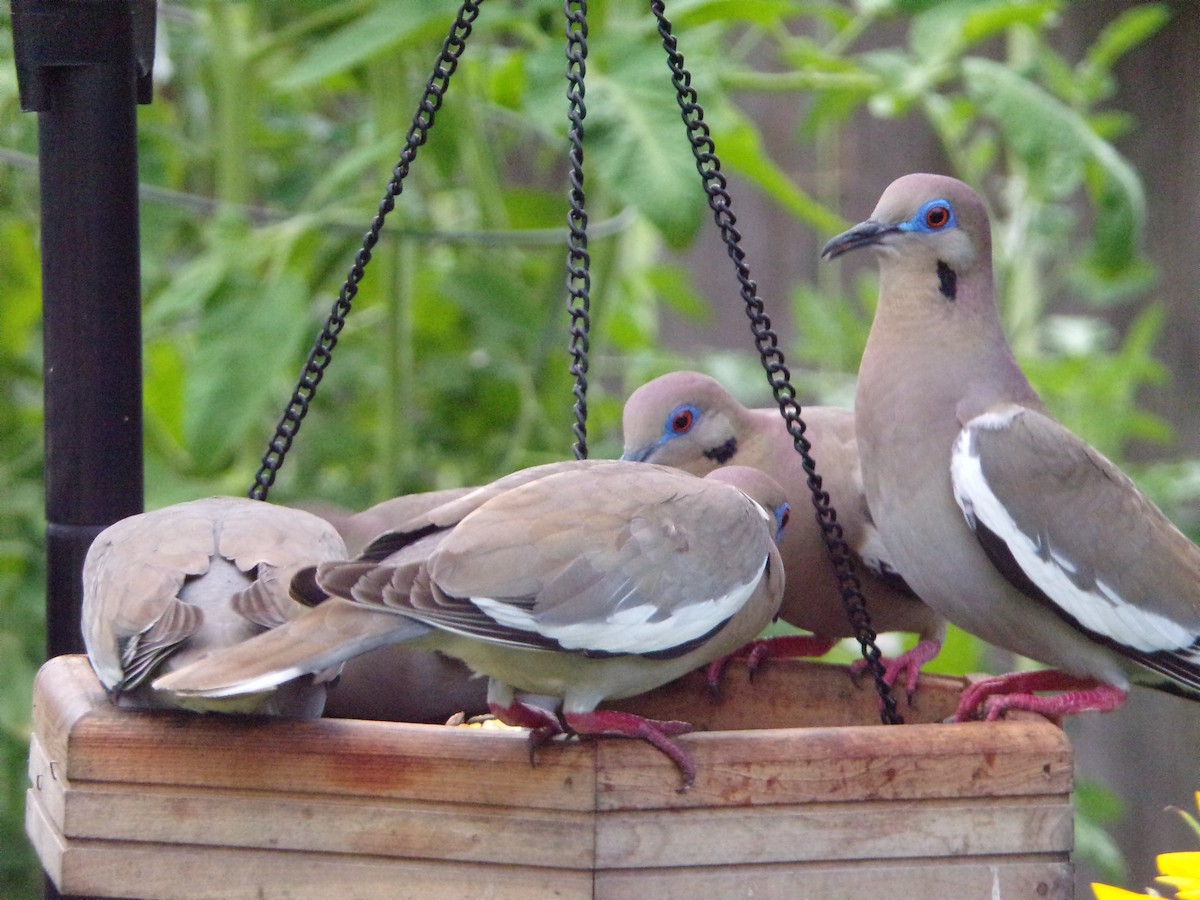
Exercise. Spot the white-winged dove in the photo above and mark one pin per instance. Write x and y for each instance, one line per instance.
(1004, 521)
(399, 682)
(690, 421)
(360, 528)
(567, 584)
(158, 591)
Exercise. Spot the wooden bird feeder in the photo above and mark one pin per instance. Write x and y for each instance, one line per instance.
(797, 795)
(799, 792)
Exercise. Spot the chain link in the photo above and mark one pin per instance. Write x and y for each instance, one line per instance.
(715, 186)
(579, 281)
(321, 354)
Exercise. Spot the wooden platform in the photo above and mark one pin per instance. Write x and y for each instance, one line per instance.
(798, 794)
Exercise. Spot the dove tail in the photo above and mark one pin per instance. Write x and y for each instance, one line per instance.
(322, 638)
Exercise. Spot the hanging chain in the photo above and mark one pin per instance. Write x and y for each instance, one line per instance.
(579, 281)
(715, 186)
(321, 354)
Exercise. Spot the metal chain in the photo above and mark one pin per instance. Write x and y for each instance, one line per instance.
(715, 186)
(321, 354)
(579, 281)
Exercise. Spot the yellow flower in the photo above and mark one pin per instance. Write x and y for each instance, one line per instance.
(1182, 872)
(1108, 892)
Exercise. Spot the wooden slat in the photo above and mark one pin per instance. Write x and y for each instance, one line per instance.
(173, 804)
(1018, 878)
(336, 756)
(834, 832)
(434, 763)
(788, 693)
(315, 822)
(180, 872)
(48, 842)
(321, 824)
(46, 781)
(974, 759)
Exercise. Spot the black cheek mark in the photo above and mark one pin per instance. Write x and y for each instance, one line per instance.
(947, 280)
(724, 453)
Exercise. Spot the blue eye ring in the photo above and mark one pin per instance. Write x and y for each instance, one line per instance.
(783, 514)
(936, 215)
(680, 421)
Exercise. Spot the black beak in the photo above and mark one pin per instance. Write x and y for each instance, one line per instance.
(864, 234)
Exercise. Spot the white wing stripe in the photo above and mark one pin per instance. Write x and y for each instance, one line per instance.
(630, 630)
(1102, 611)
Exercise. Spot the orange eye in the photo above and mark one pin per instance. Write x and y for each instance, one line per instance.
(936, 216)
(683, 421)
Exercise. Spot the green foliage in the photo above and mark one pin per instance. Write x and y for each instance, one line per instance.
(265, 155)
(1096, 807)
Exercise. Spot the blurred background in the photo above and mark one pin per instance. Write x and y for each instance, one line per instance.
(272, 135)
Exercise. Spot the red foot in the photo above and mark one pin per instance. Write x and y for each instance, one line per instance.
(1015, 691)
(654, 731)
(909, 663)
(757, 652)
(542, 723)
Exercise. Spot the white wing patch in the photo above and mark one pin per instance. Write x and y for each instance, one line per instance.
(1102, 610)
(629, 630)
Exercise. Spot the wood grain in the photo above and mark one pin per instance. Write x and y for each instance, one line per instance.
(795, 785)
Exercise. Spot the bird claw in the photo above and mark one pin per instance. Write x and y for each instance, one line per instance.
(908, 663)
(657, 732)
(993, 696)
(542, 724)
(757, 652)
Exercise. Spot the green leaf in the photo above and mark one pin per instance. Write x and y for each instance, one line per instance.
(391, 24)
(248, 345)
(1095, 807)
(949, 28)
(1052, 140)
(741, 148)
(764, 13)
(1129, 30)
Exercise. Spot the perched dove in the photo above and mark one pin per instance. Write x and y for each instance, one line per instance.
(1000, 518)
(567, 584)
(360, 528)
(399, 682)
(159, 589)
(688, 420)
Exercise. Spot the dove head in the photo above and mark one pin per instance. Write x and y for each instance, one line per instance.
(682, 419)
(930, 227)
(762, 489)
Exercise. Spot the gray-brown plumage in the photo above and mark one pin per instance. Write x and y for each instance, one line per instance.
(160, 590)
(399, 682)
(566, 584)
(690, 421)
(1004, 521)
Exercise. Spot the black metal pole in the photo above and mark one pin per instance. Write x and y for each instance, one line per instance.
(83, 65)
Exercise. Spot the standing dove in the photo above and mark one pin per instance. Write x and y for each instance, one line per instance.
(567, 584)
(1000, 518)
(689, 421)
(159, 592)
(399, 682)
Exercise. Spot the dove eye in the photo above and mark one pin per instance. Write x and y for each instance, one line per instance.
(682, 421)
(937, 217)
(782, 515)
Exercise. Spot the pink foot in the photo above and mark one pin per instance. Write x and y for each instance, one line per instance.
(653, 731)
(757, 652)
(542, 723)
(908, 663)
(1016, 691)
